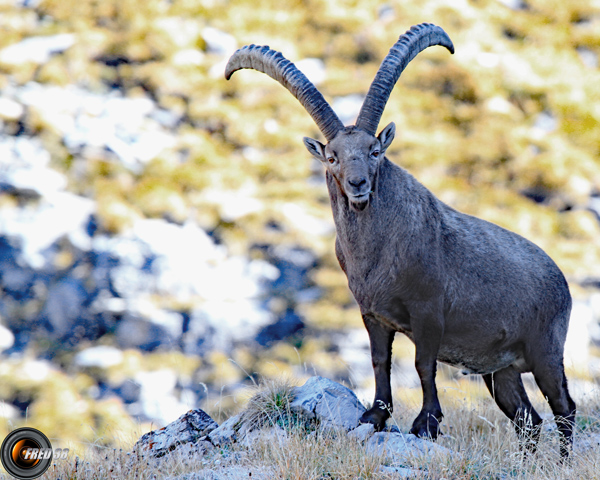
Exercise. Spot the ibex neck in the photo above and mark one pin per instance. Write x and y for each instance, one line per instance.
(363, 232)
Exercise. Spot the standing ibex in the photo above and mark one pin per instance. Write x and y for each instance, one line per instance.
(465, 291)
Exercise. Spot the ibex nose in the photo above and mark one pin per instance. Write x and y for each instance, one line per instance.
(357, 182)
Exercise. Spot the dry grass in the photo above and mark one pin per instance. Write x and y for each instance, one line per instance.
(482, 441)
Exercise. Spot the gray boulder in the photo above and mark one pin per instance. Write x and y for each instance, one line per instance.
(332, 404)
(227, 432)
(400, 447)
(186, 433)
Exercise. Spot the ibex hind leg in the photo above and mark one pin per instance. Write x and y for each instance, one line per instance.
(552, 381)
(506, 387)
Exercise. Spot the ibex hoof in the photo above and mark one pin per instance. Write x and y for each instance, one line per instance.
(426, 426)
(376, 416)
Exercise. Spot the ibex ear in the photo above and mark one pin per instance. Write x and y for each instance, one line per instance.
(316, 148)
(387, 135)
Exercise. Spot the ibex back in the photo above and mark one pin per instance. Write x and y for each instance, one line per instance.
(466, 292)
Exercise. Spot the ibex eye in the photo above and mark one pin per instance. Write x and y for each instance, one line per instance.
(331, 160)
(375, 154)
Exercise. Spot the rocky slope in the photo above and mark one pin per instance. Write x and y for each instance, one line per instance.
(164, 237)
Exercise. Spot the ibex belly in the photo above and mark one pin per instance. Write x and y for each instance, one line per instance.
(473, 347)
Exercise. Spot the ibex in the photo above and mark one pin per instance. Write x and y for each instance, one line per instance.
(466, 292)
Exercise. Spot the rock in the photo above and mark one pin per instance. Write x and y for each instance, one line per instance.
(401, 472)
(64, 308)
(192, 57)
(36, 49)
(514, 4)
(586, 443)
(313, 68)
(219, 42)
(188, 430)
(363, 432)
(34, 230)
(10, 109)
(578, 342)
(9, 412)
(270, 435)
(332, 404)
(588, 57)
(101, 356)
(231, 473)
(36, 181)
(183, 31)
(386, 13)
(24, 165)
(348, 107)
(293, 265)
(90, 122)
(287, 325)
(545, 123)
(149, 333)
(227, 432)
(129, 391)
(7, 339)
(401, 447)
(158, 398)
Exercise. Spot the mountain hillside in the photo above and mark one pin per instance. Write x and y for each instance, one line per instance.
(165, 238)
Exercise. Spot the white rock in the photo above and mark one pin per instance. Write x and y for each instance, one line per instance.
(36, 49)
(41, 181)
(231, 473)
(226, 433)
(514, 4)
(219, 42)
(273, 436)
(313, 68)
(8, 411)
(36, 228)
(348, 107)
(10, 110)
(188, 57)
(401, 472)
(22, 152)
(92, 121)
(36, 370)
(157, 399)
(305, 222)
(7, 339)
(588, 57)
(499, 104)
(545, 123)
(101, 356)
(234, 205)
(183, 31)
(577, 345)
(400, 447)
(586, 443)
(488, 59)
(363, 432)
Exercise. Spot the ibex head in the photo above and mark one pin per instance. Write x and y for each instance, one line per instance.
(353, 158)
(352, 154)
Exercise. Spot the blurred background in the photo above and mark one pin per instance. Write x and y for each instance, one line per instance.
(166, 240)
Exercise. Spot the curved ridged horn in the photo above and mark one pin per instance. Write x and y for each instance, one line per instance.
(279, 68)
(408, 46)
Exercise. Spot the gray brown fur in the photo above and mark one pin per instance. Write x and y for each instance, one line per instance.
(466, 292)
